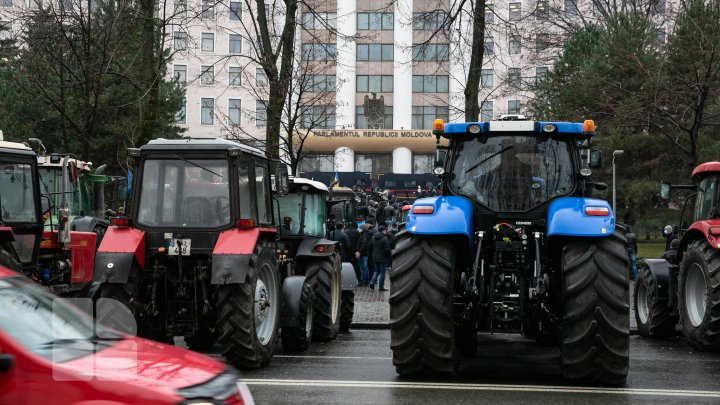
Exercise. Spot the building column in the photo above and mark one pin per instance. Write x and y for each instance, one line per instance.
(345, 65)
(402, 75)
(344, 160)
(402, 161)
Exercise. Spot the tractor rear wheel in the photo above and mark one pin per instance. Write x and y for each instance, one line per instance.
(249, 312)
(699, 295)
(595, 328)
(422, 335)
(347, 311)
(654, 317)
(297, 339)
(325, 277)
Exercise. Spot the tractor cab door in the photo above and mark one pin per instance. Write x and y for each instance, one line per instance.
(706, 206)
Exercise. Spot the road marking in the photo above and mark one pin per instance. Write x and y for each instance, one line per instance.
(483, 387)
(332, 357)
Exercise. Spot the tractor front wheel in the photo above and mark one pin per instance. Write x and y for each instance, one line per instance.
(699, 295)
(325, 277)
(347, 311)
(422, 334)
(297, 339)
(595, 328)
(654, 317)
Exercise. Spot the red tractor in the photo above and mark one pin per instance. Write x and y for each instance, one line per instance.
(196, 254)
(683, 286)
(56, 257)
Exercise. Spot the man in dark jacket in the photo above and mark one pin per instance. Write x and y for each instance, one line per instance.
(363, 251)
(389, 211)
(380, 252)
(354, 235)
(339, 236)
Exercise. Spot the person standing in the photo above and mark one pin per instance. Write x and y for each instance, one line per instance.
(362, 254)
(632, 251)
(345, 246)
(389, 211)
(354, 236)
(380, 252)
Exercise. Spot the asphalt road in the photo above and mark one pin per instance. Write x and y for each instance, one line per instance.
(357, 368)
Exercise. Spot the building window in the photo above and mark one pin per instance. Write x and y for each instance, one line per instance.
(319, 83)
(235, 43)
(235, 75)
(180, 116)
(424, 116)
(374, 84)
(423, 164)
(361, 122)
(486, 111)
(234, 111)
(319, 21)
(542, 42)
(235, 10)
(319, 52)
(513, 106)
(318, 116)
(543, 9)
(514, 77)
(181, 8)
(261, 79)
(207, 43)
(180, 73)
(180, 40)
(260, 113)
(430, 84)
(489, 47)
(659, 36)
(375, 52)
(515, 44)
(431, 52)
(6, 3)
(431, 21)
(375, 21)
(487, 78)
(208, 12)
(571, 9)
(489, 13)
(207, 75)
(514, 11)
(207, 107)
(541, 73)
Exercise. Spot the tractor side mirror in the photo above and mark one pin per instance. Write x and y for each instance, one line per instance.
(600, 186)
(282, 182)
(440, 156)
(664, 191)
(6, 362)
(595, 159)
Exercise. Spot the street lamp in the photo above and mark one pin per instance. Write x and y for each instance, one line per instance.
(615, 152)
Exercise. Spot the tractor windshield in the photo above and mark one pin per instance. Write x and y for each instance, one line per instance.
(193, 193)
(17, 193)
(512, 173)
(302, 214)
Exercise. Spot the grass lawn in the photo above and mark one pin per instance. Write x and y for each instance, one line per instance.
(651, 249)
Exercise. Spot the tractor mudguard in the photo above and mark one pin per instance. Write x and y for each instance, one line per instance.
(660, 271)
(116, 253)
(84, 224)
(450, 215)
(307, 247)
(567, 217)
(291, 311)
(231, 256)
(349, 280)
(699, 230)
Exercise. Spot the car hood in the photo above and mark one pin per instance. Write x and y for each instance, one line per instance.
(151, 363)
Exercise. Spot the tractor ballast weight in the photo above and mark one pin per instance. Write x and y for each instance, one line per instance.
(516, 243)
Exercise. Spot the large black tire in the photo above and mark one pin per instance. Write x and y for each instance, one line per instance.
(297, 339)
(8, 260)
(422, 335)
(244, 342)
(699, 295)
(347, 311)
(595, 329)
(653, 316)
(324, 275)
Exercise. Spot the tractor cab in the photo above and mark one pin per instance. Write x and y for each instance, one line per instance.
(303, 209)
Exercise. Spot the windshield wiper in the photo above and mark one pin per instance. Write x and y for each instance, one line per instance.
(488, 158)
(197, 165)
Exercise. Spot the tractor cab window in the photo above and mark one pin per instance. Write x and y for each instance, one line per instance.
(192, 193)
(17, 193)
(512, 173)
(262, 190)
(315, 208)
(290, 210)
(707, 189)
(245, 191)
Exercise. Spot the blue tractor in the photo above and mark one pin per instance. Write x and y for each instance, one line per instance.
(515, 244)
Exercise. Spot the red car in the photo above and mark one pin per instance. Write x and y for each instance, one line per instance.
(52, 352)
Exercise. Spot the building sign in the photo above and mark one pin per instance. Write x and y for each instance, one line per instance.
(372, 133)
(370, 140)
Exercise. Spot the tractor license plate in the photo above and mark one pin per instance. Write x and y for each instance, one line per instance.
(179, 247)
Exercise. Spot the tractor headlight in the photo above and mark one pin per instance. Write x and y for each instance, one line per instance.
(473, 129)
(548, 128)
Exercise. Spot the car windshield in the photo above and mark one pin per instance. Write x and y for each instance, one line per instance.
(193, 193)
(512, 173)
(47, 325)
(17, 193)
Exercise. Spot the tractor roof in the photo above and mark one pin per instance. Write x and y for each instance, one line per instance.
(55, 161)
(297, 181)
(547, 127)
(704, 169)
(199, 144)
